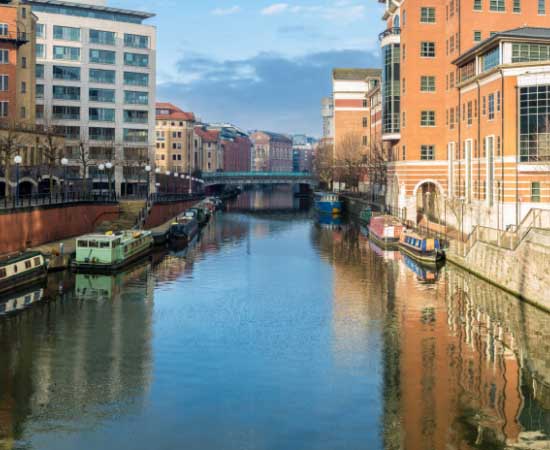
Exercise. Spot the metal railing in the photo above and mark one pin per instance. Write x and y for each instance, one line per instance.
(60, 198)
(389, 32)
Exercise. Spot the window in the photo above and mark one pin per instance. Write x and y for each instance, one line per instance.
(40, 71)
(484, 106)
(365, 103)
(530, 52)
(4, 56)
(136, 98)
(136, 79)
(4, 82)
(535, 123)
(4, 110)
(427, 49)
(542, 7)
(365, 122)
(491, 102)
(535, 191)
(131, 135)
(101, 95)
(102, 37)
(427, 83)
(136, 116)
(40, 30)
(498, 101)
(102, 76)
(427, 118)
(427, 15)
(102, 114)
(496, 5)
(3, 29)
(66, 93)
(477, 36)
(491, 59)
(136, 41)
(403, 119)
(136, 59)
(66, 33)
(467, 71)
(40, 51)
(39, 91)
(66, 53)
(469, 113)
(102, 56)
(66, 73)
(365, 140)
(404, 153)
(427, 152)
(102, 134)
(517, 6)
(62, 112)
(477, 5)
(24, 62)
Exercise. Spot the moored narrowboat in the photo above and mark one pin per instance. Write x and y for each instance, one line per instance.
(426, 250)
(199, 214)
(385, 231)
(424, 273)
(328, 203)
(111, 251)
(183, 229)
(21, 270)
(21, 300)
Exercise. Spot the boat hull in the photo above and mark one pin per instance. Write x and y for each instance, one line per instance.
(110, 268)
(386, 243)
(431, 258)
(329, 207)
(24, 279)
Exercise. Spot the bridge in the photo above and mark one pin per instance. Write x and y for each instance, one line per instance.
(242, 178)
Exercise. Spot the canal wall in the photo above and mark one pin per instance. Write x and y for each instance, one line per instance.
(34, 226)
(164, 211)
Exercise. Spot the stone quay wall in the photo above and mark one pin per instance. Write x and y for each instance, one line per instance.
(162, 212)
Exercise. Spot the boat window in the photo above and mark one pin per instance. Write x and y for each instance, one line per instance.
(2, 273)
(104, 245)
(83, 244)
(93, 244)
(28, 264)
(36, 262)
(15, 269)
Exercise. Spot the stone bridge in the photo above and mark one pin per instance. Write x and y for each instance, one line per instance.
(243, 178)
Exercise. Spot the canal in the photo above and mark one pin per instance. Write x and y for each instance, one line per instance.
(274, 332)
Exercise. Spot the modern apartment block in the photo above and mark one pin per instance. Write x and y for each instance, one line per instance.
(466, 110)
(174, 140)
(272, 152)
(351, 109)
(96, 82)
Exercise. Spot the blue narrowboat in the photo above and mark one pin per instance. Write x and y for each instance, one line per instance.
(328, 203)
(426, 250)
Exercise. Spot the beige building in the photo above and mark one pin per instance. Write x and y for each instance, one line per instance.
(209, 149)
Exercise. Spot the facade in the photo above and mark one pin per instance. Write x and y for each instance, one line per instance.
(302, 153)
(464, 110)
(208, 143)
(96, 82)
(175, 140)
(273, 152)
(236, 147)
(327, 113)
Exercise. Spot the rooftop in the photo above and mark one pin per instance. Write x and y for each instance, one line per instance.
(92, 7)
(355, 74)
(174, 113)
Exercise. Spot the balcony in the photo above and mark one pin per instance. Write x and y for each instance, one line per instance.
(390, 36)
(18, 38)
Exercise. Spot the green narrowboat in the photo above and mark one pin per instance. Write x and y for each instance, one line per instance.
(365, 216)
(21, 270)
(111, 251)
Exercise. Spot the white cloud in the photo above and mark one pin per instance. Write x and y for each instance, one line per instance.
(276, 8)
(226, 11)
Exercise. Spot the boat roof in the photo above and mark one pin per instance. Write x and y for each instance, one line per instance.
(16, 258)
(113, 236)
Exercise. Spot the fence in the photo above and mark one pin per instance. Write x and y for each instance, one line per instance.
(55, 199)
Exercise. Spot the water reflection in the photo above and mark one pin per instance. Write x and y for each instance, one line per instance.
(274, 331)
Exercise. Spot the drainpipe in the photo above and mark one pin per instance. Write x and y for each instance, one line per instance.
(502, 103)
(517, 156)
(478, 138)
(461, 153)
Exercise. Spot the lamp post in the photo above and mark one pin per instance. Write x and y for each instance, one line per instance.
(17, 160)
(167, 173)
(176, 187)
(101, 168)
(148, 178)
(64, 163)
(109, 167)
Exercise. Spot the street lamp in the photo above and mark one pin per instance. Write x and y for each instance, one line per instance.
(109, 166)
(101, 168)
(176, 177)
(17, 160)
(64, 162)
(148, 172)
(167, 181)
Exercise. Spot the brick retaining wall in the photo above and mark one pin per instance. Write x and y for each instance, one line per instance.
(163, 212)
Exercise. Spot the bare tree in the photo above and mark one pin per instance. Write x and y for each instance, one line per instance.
(377, 167)
(12, 139)
(83, 157)
(323, 163)
(52, 146)
(349, 159)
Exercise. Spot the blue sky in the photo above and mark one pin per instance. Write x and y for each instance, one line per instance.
(256, 63)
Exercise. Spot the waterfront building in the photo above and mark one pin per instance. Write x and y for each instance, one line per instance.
(96, 82)
(327, 113)
(208, 143)
(465, 110)
(302, 153)
(174, 140)
(236, 147)
(273, 152)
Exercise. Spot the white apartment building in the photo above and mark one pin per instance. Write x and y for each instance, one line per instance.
(96, 80)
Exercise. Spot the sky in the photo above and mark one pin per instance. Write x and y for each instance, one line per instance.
(258, 64)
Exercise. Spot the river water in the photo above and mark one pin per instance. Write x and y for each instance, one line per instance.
(274, 332)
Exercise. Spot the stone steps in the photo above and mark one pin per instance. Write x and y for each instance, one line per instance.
(128, 215)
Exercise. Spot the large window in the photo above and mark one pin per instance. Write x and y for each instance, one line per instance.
(491, 59)
(427, 49)
(391, 89)
(102, 114)
(477, 5)
(62, 112)
(136, 98)
(66, 53)
(102, 56)
(491, 106)
(66, 73)
(497, 5)
(102, 95)
(542, 7)
(535, 191)
(101, 134)
(530, 52)
(4, 29)
(40, 51)
(102, 76)
(39, 91)
(4, 109)
(66, 93)
(102, 37)
(427, 83)
(66, 33)
(427, 15)
(427, 152)
(136, 116)
(535, 123)
(517, 6)
(136, 59)
(4, 83)
(131, 135)
(136, 41)
(4, 56)
(40, 30)
(427, 118)
(136, 79)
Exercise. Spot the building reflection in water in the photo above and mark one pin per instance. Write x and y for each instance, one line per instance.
(75, 361)
(465, 365)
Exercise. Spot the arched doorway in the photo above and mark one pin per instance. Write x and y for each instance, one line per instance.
(428, 199)
(44, 186)
(25, 189)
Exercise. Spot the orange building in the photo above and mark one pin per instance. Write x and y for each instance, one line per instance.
(444, 65)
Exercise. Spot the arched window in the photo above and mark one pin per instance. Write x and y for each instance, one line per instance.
(396, 22)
